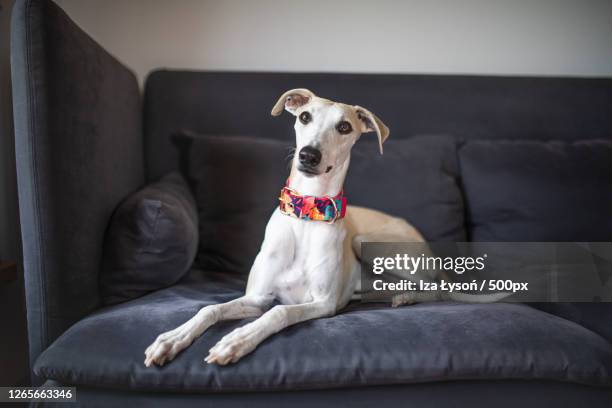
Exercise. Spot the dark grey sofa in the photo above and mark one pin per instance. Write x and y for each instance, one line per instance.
(85, 140)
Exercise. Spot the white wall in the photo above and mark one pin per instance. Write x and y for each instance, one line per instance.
(525, 37)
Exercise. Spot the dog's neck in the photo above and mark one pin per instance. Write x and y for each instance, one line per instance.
(326, 184)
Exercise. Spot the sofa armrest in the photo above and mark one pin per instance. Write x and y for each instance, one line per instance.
(79, 151)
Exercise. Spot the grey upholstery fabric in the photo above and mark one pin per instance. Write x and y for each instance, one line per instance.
(79, 152)
(594, 316)
(528, 190)
(236, 183)
(469, 107)
(456, 394)
(151, 241)
(367, 344)
(416, 179)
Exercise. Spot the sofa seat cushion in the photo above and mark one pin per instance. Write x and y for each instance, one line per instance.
(367, 344)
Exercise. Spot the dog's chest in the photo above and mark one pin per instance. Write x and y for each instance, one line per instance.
(315, 267)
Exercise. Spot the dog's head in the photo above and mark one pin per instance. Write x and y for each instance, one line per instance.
(325, 130)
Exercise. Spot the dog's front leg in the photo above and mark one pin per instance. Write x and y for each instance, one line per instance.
(169, 344)
(276, 249)
(244, 339)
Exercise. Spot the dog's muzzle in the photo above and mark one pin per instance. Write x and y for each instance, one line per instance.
(309, 158)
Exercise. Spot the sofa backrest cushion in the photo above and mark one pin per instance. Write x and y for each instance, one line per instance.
(236, 181)
(538, 191)
(416, 179)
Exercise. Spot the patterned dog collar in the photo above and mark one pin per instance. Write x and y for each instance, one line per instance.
(305, 207)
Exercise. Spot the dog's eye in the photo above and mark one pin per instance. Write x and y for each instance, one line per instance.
(305, 117)
(344, 127)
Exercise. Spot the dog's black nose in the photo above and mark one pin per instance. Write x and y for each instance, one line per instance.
(309, 156)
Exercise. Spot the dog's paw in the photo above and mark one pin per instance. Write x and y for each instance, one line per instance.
(167, 346)
(406, 298)
(233, 346)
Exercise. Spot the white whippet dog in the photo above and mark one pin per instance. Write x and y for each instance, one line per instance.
(310, 267)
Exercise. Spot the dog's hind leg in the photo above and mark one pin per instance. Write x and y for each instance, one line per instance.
(366, 225)
(169, 344)
(409, 298)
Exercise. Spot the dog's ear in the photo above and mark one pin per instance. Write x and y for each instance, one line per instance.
(292, 100)
(371, 123)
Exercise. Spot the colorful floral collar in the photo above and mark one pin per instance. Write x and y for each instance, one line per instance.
(307, 208)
